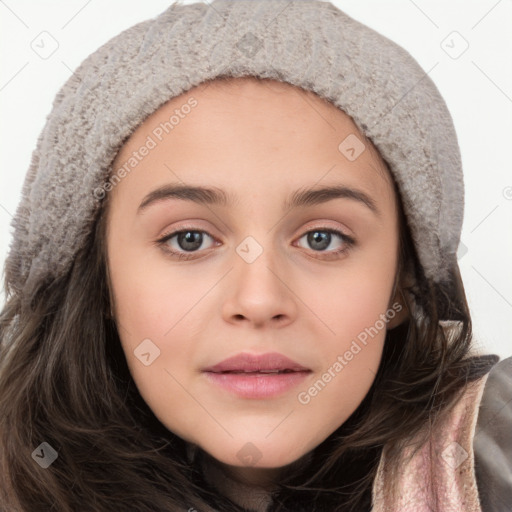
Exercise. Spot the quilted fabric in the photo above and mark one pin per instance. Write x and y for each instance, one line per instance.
(493, 441)
(440, 475)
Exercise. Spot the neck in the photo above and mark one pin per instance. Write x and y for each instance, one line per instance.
(247, 486)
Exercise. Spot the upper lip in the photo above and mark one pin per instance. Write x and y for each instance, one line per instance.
(253, 363)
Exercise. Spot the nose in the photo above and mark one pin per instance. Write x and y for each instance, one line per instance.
(260, 292)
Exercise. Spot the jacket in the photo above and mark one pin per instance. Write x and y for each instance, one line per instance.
(466, 463)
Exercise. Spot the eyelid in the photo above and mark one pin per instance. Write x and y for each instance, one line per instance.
(184, 227)
(326, 225)
(348, 240)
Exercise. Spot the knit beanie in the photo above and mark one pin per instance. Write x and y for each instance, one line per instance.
(307, 43)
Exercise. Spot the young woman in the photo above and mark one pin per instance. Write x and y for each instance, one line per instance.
(233, 282)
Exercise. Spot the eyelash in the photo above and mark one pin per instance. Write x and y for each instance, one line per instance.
(349, 242)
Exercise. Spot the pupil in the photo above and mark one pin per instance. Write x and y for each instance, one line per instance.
(317, 236)
(190, 240)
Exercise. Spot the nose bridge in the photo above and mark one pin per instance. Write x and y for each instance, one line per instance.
(258, 259)
(258, 292)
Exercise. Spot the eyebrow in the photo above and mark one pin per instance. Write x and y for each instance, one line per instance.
(217, 196)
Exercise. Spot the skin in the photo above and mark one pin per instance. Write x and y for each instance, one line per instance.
(260, 141)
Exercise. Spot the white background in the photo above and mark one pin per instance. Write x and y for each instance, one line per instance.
(477, 86)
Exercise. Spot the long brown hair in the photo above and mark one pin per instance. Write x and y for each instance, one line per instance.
(64, 380)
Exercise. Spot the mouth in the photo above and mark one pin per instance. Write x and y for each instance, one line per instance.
(268, 363)
(257, 376)
(257, 385)
(261, 372)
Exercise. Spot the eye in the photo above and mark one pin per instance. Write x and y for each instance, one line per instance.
(321, 238)
(187, 240)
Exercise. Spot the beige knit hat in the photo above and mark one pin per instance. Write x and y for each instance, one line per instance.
(307, 43)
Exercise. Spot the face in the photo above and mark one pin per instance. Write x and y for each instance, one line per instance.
(196, 281)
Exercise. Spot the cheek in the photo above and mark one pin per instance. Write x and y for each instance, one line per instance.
(348, 302)
(354, 310)
(153, 306)
(153, 314)
(150, 296)
(351, 361)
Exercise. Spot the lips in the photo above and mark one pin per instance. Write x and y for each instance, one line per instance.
(269, 363)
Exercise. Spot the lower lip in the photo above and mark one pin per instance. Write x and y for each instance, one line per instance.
(257, 385)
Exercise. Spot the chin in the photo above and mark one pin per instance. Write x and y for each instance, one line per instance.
(256, 454)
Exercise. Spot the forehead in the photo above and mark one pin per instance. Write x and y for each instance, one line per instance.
(254, 132)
